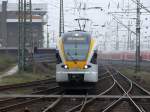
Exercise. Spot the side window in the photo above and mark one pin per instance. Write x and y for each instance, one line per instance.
(94, 58)
(58, 59)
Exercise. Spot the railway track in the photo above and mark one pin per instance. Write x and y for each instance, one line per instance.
(48, 86)
(125, 85)
(10, 104)
(27, 88)
(78, 105)
(129, 88)
(119, 94)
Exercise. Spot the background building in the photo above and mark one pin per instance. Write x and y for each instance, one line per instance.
(9, 24)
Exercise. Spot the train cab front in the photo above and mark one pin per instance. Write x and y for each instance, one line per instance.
(76, 52)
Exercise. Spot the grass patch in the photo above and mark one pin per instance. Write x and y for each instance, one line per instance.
(29, 76)
(142, 77)
(6, 62)
(23, 77)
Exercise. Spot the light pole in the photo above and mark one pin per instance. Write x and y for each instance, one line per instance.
(48, 36)
(61, 18)
(138, 57)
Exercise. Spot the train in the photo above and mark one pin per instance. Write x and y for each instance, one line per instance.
(76, 59)
(124, 55)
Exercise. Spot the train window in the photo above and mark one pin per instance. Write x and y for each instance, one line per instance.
(76, 52)
(76, 49)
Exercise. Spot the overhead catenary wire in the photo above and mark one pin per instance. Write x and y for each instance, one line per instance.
(141, 5)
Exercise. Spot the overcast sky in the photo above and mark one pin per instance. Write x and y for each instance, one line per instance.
(70, 13)
(97, 17)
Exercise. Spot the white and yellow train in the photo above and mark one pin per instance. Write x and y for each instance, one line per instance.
(76, 59)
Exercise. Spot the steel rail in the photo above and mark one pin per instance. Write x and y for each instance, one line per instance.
(84, 104)
(92, 99)
(53, 105)
(134, 83)
(41, 91)
(13, 106)
(117, 101)
(137, 85)
(140, 108)
(21, 103)
(127, 94)
(105, 77)
(28, 84)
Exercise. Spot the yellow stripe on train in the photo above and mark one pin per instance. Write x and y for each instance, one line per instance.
(91, 47)
(75, 64)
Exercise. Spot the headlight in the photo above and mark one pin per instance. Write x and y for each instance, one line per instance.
(86, 66)
(65, 66)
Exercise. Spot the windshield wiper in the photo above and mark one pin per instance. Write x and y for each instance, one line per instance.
(75, 61)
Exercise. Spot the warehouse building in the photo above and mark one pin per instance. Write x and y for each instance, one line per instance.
(9, 24)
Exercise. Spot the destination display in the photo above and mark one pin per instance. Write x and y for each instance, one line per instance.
(76, 39)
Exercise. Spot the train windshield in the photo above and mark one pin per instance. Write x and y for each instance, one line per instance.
(76, 48)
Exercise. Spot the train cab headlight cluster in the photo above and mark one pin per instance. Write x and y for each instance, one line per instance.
(86, 66)
(65, 66)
